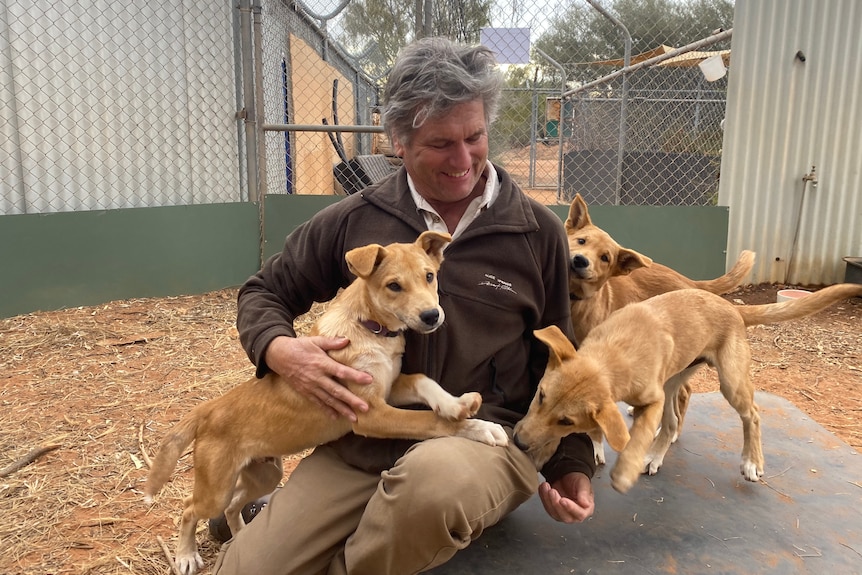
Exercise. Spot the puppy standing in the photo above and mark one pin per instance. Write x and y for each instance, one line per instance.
(241, 436)
(604, 277)
(642, 354)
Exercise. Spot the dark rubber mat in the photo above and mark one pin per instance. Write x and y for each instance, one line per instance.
(698, 515)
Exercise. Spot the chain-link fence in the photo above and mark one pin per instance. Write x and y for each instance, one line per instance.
(650, 136)
(148, 104)
(114, 105)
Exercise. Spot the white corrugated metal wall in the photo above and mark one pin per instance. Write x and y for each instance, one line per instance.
(794, 101)
(115, 105)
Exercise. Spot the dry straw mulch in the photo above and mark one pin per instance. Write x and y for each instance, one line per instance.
(98, 387)
(88, 393)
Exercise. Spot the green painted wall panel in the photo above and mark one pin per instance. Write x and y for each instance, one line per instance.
(284, 213)
(62, 260)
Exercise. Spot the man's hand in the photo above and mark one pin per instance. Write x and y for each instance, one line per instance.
(569, 499)
(304, 364)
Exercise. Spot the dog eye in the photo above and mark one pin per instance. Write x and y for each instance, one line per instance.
(581, 241)
(541, 397)
(606, 258)
(429, 277)
(565, 421)
(393, 286)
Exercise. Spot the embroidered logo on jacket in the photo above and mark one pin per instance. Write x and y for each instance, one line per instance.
(498, 284)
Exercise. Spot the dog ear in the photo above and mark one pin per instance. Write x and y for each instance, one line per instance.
(613, 425)
(433, 243)
(630, 260)
(559, 345)
(579, 217)
(362, 261)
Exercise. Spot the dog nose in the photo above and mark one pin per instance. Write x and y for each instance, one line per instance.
(430, 317)
(521, 445)
(580, 262)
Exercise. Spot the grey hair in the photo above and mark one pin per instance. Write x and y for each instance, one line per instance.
(432, 75)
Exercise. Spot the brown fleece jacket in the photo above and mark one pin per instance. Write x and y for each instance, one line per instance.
(504, 277)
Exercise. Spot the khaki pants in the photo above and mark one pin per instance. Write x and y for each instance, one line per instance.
(331, 518)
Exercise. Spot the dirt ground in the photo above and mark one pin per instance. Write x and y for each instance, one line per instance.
(88, 393)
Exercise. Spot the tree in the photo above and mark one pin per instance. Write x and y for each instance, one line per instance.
(580, 34)
(387, 25)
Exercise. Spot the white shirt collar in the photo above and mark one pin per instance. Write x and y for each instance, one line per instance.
(433, 220)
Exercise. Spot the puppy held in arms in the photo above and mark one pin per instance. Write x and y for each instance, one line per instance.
(642, 354)
(240, 437)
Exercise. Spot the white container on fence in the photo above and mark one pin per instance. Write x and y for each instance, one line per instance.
(713, 68)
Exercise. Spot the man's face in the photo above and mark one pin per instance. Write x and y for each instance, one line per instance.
(447, 155)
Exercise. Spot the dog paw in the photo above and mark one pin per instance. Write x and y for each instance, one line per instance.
(189, 564)
(625, 473)
(471, 402)
(458, 408)
(484, 432)
(750, 470)
(652, 464)
(622, 484)
(599, 452)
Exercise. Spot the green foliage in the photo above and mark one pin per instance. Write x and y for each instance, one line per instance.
(511, 129)
(387, 25)
(578, 36)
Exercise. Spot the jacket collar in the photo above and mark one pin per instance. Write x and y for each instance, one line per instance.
(510, 212)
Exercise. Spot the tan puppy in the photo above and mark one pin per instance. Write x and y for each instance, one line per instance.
(604, 277)
(241, 436)
(641, 355)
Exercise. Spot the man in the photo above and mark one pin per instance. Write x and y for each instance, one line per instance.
(376, 507)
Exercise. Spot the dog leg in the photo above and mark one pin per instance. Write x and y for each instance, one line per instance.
(383, 420)
(260, 477)
(677, 393)
(598, 446)
(683, 396)
(733, 362)
(630, 463)
(188, 559)
(418, 388)
(666, 435)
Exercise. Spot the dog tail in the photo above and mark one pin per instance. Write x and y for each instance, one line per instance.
(170, 451)
(796, 308)
(731, 279)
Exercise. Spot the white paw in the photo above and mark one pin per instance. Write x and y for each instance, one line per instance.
(458, 408)
(484, 432)
(599, 452)
(750, 471)
(189, 564)
(652, 464)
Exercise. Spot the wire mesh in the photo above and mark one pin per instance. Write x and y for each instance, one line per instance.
(143, 104)
(116, 105)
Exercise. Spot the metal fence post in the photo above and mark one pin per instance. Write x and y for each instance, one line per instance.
(249, 96)
(561, 127)
(627, 60)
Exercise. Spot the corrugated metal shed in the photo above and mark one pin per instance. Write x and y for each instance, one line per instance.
(116, 105)
(795, 105)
